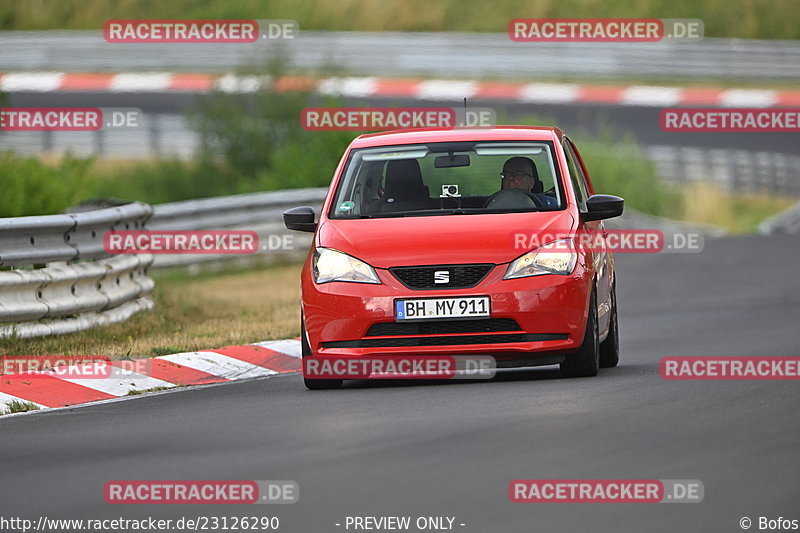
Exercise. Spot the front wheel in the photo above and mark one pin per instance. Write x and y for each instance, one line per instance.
(305, 350)
(586, 361)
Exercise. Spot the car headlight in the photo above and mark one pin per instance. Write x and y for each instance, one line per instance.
(557, 257)
(332, 265)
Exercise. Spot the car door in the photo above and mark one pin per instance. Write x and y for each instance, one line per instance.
(603, 261)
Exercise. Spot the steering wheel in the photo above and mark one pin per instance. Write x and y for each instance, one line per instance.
(512, 199)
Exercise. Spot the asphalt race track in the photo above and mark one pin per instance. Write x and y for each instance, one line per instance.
(451, 449)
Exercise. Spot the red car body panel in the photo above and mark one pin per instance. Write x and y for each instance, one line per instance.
(490, 237)
(338, 312)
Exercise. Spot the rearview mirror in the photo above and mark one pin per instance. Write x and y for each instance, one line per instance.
(602, 206)
(300, 219)
(448, 161)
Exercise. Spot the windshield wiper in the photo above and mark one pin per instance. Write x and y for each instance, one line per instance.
(387, 215)
(424, 213)
(437, 212)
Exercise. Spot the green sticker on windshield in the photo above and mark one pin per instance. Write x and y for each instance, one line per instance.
(346, 206)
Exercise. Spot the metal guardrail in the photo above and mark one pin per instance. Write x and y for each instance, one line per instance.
(69, 282)
(259, 212)
(231, 211)
(70, 237)
(57, 277)
(407, 54)
(731, 169)
(786, 222)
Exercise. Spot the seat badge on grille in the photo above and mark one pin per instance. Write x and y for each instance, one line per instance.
(441, 276)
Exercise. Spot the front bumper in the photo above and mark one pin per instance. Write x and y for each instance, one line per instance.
(550, 310)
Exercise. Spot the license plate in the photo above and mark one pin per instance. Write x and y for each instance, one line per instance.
(435, 308)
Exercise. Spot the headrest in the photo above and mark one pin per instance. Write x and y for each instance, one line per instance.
(403, 180)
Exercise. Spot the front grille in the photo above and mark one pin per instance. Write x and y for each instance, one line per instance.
(458, 276)
(453, 340)
(440, 327)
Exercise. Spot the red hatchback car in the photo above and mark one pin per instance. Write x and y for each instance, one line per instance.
(445, 242)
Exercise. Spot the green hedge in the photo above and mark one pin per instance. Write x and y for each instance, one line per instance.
(30, 187)
(622, 169)
(254, 142)
(752, 19)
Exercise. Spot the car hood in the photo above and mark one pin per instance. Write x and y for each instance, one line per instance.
(446, 239)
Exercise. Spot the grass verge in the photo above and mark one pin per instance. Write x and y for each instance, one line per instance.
(17, 406)
(192, 313)
(137, 392)
(764, 19)
(736, 212)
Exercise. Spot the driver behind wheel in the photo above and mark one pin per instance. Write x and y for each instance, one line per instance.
(520, 173)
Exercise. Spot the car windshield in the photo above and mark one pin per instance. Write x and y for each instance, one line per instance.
(449, 178)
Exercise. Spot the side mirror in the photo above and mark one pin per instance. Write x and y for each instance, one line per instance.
(300, 219)
(602, 206)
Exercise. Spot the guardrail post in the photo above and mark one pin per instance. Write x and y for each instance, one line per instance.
(79, 286)
(99, 142)
(154, 127)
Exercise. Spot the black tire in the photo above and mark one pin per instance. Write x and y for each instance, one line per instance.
(305, 350)
(609, 348)
(586, 361)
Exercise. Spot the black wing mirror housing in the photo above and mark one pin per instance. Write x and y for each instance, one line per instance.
(602, 207)
(300, 219)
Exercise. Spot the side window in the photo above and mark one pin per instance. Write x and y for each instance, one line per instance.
(581, 166)
(576, 176)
